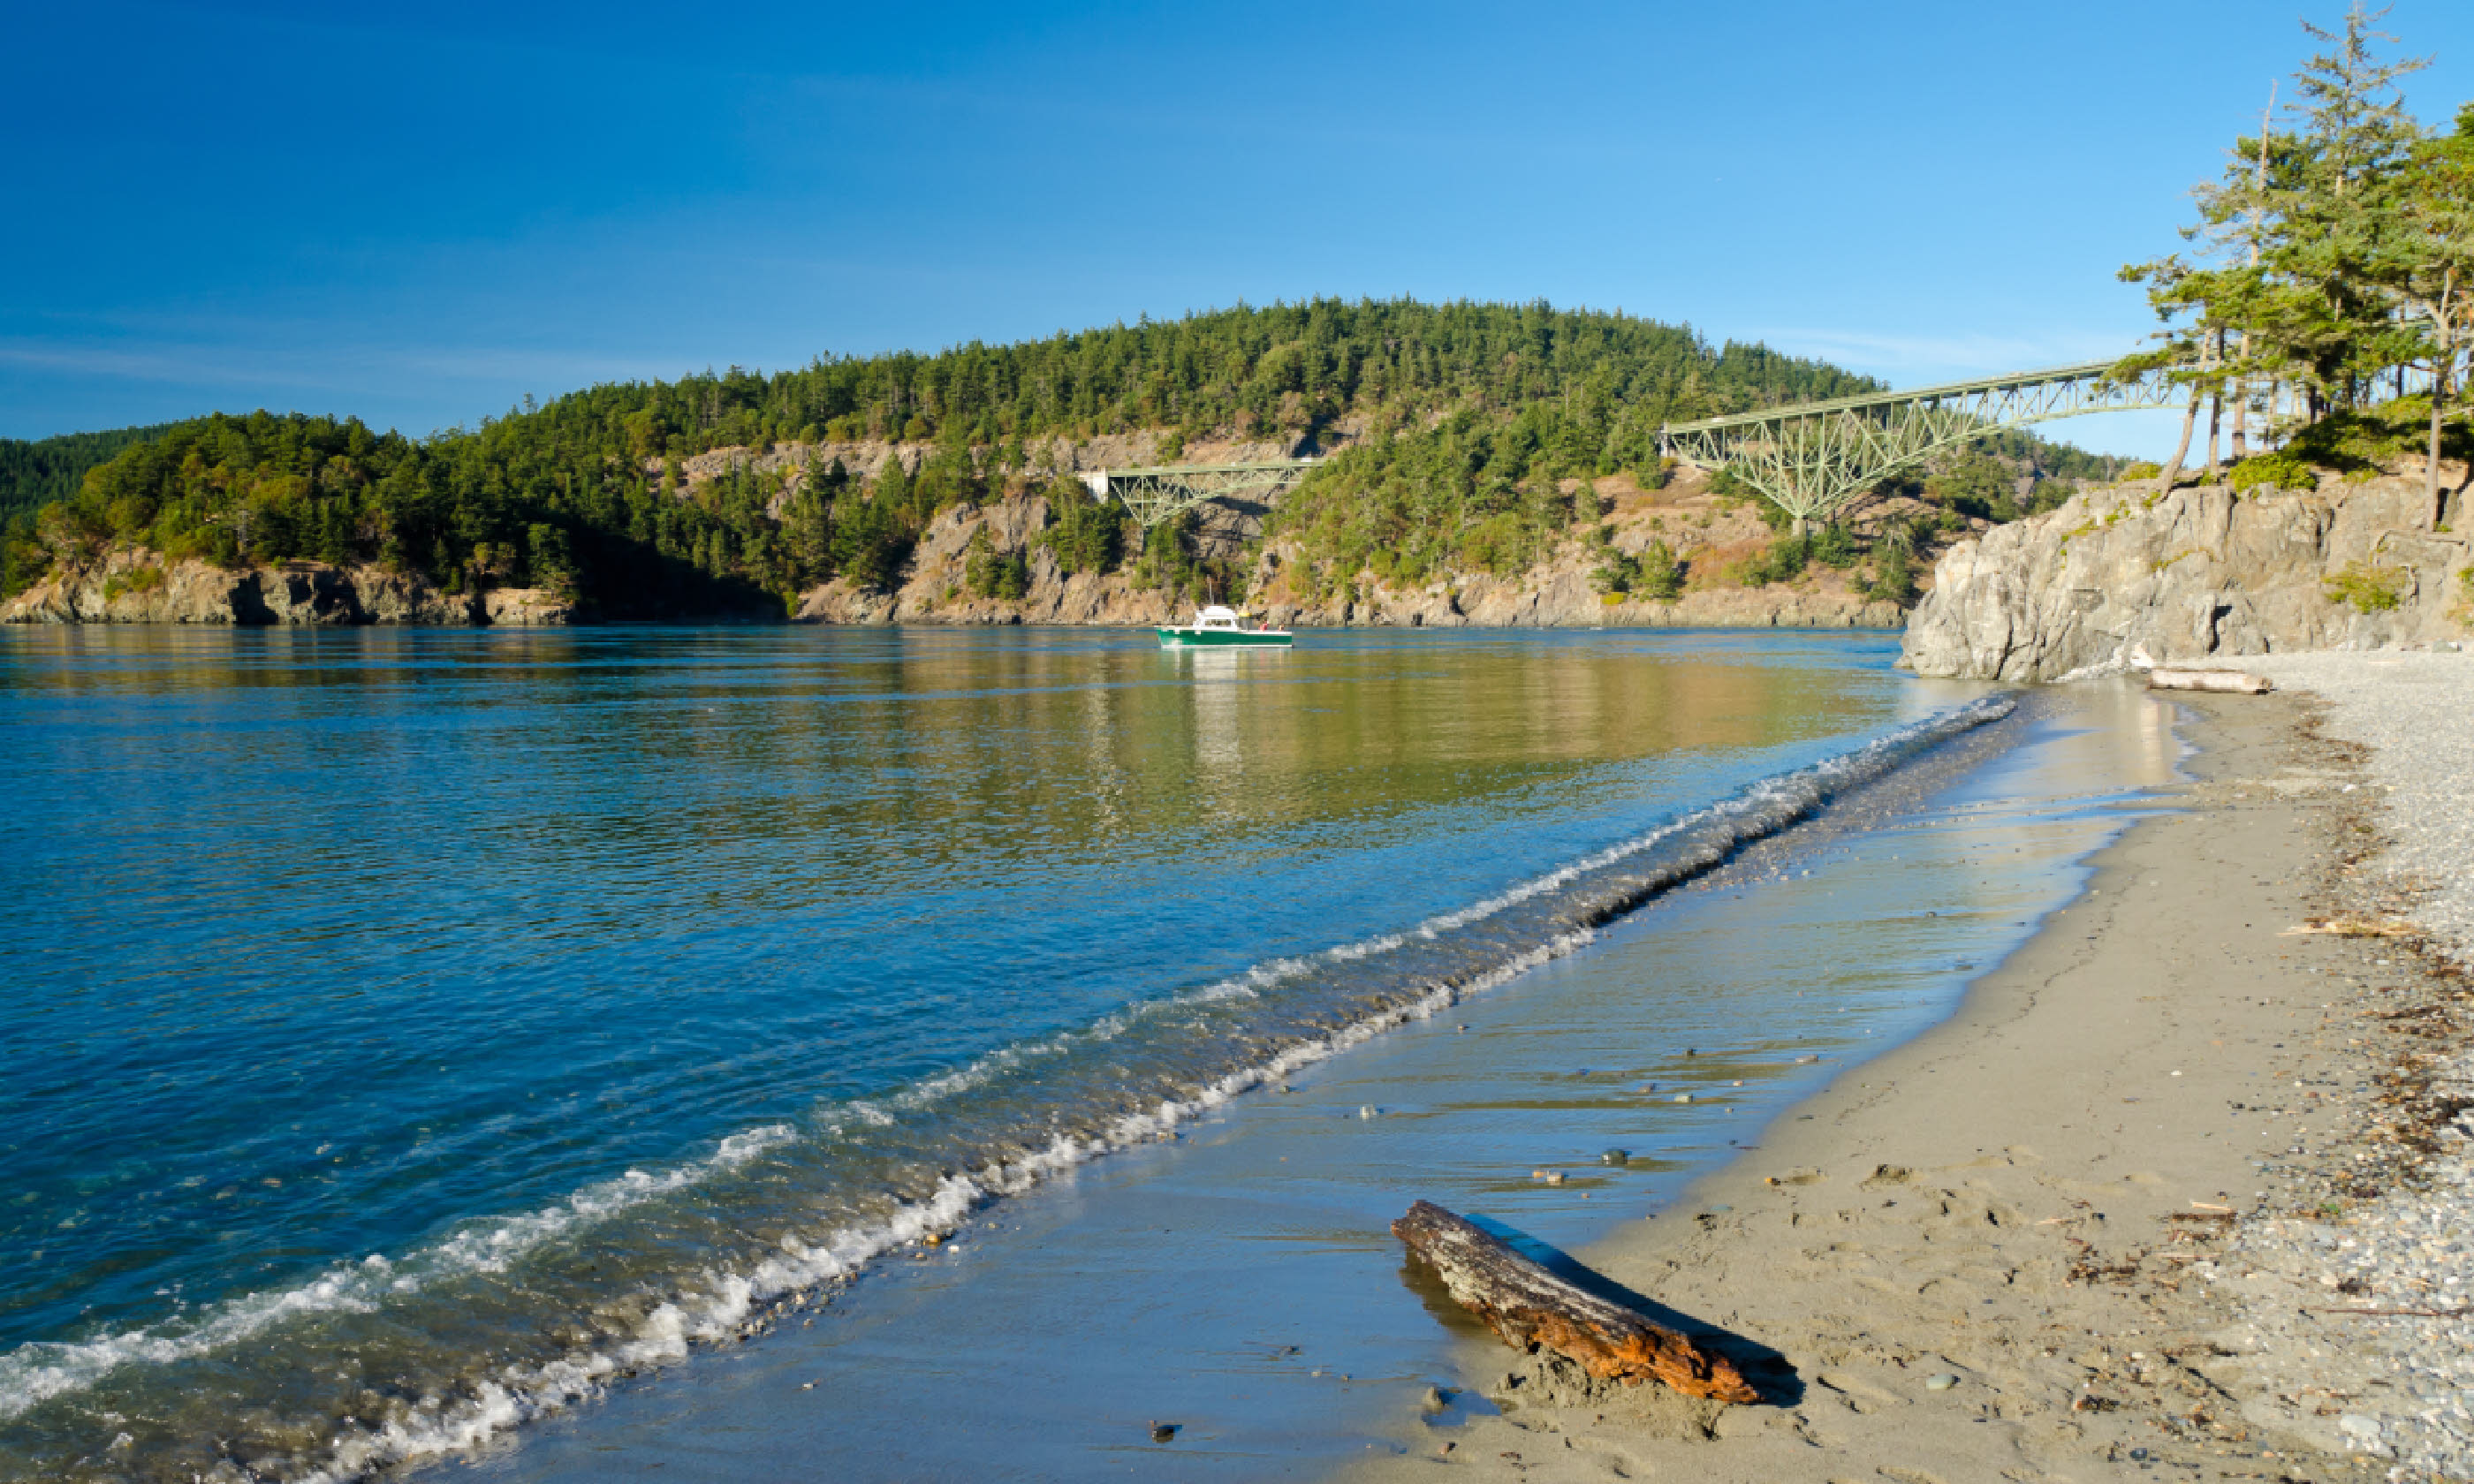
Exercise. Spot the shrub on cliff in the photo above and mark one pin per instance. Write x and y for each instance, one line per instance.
(990, 573)
(1783, 563)
(22, 558)
(2370, 588)
(1662, 573)
(2365, 441)
(1833, 546)
(1892, 578)
(2273, 471)
(1654, 572)
(1085, 534)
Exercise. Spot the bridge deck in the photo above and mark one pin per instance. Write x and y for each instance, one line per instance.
(1180, 470)
(2085, 371)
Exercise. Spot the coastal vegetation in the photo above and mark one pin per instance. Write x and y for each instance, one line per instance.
(37, 473)
(34, 474)
(1467, 433)
(2329, 288)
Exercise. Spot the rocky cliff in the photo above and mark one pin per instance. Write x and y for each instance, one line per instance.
(131, 585)
(2125, 577)
(1556, 591)
(1714, 534)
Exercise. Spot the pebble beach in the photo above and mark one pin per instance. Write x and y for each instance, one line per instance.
(2385, 1236)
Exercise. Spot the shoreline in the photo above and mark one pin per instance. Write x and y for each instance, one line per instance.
(1310, 1338)
(1994, 1249)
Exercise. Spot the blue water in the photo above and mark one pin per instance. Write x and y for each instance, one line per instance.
(400, 1015)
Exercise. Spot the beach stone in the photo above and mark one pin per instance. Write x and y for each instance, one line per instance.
(1616, 1156)
(1165, 1432)
(1942, 1382)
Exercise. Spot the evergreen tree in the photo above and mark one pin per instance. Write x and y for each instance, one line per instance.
(2330, 255)
(2425, 264)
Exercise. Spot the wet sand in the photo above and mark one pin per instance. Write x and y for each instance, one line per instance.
(1963, 1260)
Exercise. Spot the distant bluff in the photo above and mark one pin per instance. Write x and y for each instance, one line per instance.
(1562, 587)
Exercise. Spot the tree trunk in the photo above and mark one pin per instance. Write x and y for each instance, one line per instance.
(2242, 397)
(2216, 416)
(2431, 499)
(2182, 450)
(1528, 1305)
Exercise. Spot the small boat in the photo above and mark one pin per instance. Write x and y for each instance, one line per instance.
(1217, 626)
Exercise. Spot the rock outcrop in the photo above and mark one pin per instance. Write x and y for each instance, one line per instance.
(1714, 534)
(1557, 592)
(2125, 577)
(133, 585)
(868, 458)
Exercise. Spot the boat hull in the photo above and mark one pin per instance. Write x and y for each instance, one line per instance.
(1223, 638)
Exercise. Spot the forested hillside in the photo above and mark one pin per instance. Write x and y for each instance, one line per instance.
(1460, 417)
(34, 474)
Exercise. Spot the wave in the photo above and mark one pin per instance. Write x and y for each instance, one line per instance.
(1300, 1010)
(42, 1369)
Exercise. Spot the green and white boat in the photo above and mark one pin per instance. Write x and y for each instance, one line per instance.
(1216, 626)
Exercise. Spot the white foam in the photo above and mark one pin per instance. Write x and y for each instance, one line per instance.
(42, 1369)
(672, 1330)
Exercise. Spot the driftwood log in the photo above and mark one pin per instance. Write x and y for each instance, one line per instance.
(2239, 683)
(1529, 1306)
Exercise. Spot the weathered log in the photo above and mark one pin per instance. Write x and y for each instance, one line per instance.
(1529, 1306)
(2235, 682)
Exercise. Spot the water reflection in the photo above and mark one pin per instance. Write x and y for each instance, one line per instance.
(326, 944)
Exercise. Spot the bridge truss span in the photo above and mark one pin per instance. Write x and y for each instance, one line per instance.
(1154, 494)
(1815, 458)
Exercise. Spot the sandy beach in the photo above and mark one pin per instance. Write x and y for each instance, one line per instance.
(2123, 1213)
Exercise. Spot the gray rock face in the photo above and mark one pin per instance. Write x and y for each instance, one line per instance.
(135, 585)
(1555, 593)
(2123, 577)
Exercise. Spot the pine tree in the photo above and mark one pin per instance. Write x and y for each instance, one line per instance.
(2425, 265)
(2299, 248)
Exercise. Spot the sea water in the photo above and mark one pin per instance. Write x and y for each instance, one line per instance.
(413, 1032)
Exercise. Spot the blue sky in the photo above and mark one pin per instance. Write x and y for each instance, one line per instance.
(419, 214)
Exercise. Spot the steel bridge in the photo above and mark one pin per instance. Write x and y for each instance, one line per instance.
(1165, 491)
(1815, 458)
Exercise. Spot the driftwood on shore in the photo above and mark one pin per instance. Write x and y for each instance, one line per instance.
(2239, 683)
(1529, 1306)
